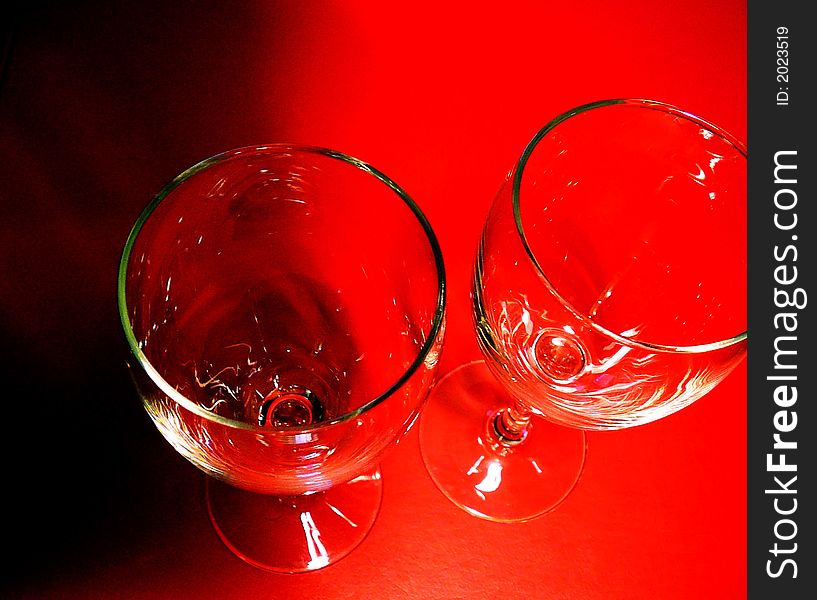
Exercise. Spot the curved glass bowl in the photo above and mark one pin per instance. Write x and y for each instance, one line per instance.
(610, 285)
(284, 306)
(609, 291)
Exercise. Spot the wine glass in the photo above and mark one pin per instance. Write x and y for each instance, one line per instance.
(284, 308)
(609, 291)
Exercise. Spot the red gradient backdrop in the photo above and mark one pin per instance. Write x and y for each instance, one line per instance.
(102, 103)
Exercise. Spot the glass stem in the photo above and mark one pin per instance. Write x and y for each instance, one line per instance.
(510, 425)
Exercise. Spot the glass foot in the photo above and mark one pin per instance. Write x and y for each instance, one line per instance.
(506, 483)
(294, 534)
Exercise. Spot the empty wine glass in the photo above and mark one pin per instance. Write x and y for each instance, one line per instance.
(609, 291)
(284, 307)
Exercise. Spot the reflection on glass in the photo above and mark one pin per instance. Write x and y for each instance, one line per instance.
(317, 552)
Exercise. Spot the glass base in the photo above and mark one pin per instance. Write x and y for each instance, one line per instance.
(506, 483)
(295, 534)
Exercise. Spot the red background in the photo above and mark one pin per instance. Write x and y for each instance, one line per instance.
(102, 103)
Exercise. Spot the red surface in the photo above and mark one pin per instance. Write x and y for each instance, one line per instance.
(101, 105)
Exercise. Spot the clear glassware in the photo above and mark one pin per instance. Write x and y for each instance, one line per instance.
(284, 308)
(609, 291)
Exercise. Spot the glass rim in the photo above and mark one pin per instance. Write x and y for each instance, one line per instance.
(515, 194)
(166, 388)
